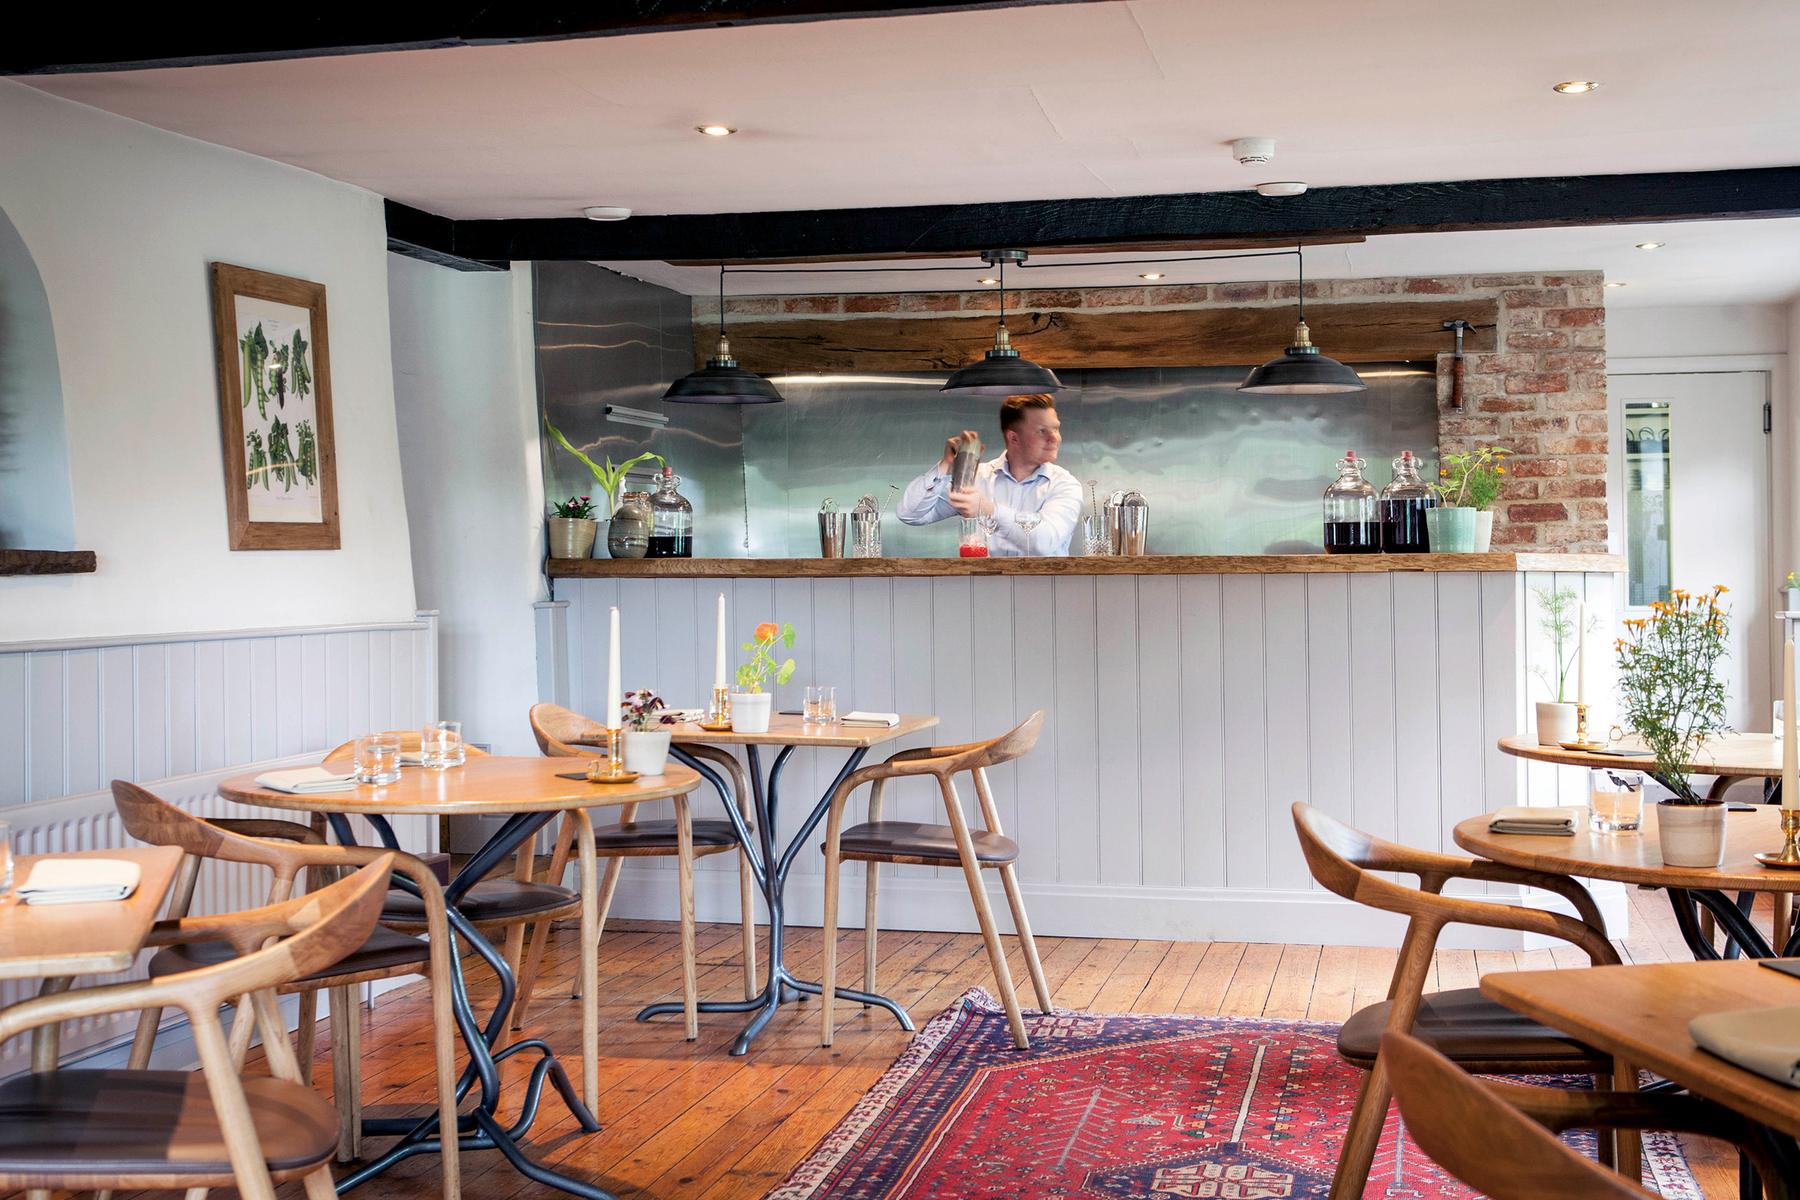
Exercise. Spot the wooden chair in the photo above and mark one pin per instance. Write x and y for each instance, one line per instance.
(1476, 1033)
(1500, 1138)
(383, 954)
(878, 841)
(564, 734)
(86, 1129)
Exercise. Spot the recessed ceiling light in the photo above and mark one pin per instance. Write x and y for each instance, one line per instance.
(1651, 245)
(987, 281)
(1286, 187)
(1615, 283)
(715, 130)
(1575, 87)
(606, 212)
(1151, 275)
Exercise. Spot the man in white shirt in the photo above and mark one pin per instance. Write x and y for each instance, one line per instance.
(1034, 504)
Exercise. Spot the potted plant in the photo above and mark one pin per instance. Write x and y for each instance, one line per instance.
(646, 733)
(610, 477)
(1791, 594)
(750, 705)
(572, 527)
(1556, 618)
(1673, 696)
(1461, 522)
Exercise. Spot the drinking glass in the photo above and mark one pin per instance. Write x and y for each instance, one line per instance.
(378, 758)
(821, 705)
(6, 863)
(441, 745)
(1095, 537)
(974, 538)
(1615, 800)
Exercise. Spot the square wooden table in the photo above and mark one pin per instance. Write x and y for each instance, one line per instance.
(770, 863)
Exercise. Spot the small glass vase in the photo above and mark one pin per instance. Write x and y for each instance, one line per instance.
(1450, 530)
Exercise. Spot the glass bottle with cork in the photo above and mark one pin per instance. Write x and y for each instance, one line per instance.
(1351, 522)
(671, 519)
(1403, 505)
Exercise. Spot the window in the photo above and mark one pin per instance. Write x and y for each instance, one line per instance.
(1647, 501)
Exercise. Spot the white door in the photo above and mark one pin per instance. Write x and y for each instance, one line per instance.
(1694, 464)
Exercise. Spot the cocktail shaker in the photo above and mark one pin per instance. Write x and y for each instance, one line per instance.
(1132, 530)
(831, 533)
(967, 463)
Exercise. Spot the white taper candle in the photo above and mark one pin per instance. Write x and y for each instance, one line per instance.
(1580, 652)
(719, 648)
(614, 694)
(1790, 752)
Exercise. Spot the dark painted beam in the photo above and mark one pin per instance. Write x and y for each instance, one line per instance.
(68, 41)
(956, 229)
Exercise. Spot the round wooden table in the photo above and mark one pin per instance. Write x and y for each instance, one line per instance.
(1731, 758)
(1636, 858)
(531, 792)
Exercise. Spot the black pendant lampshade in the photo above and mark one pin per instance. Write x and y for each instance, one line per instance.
(1001, 371)
(721, 380)
(1302, 370)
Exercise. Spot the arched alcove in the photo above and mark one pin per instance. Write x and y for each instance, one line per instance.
(36, 503)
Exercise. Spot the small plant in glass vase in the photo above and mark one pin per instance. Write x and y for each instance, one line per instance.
(750, 705)
(1469, 483)
(647, 732)
(572, 527)
(1672, 696)
(1556, 717)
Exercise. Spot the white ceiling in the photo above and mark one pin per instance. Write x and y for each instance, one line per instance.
(1067, 100)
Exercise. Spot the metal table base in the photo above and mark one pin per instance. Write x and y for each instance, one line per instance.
(771, 872)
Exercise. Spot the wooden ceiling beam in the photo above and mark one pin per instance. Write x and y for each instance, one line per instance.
(1044, 226)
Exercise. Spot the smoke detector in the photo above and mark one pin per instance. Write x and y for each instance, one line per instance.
(1286, 187)
(606, 212)
(1253, 151)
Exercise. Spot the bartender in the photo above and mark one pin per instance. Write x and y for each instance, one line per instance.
(1033, 504)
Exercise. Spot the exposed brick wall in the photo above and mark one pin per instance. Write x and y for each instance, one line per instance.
(1541, 392)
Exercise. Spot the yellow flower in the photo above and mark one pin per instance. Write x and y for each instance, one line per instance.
(1499, 470)
(1720, 589)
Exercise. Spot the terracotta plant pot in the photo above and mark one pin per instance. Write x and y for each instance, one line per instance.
(1691, 835)
(1450, 530)
(750, 711)
(647, 751)
(1484, 532)
(572, 537)
(1555, 723)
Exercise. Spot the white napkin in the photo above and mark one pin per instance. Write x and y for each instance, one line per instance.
(79, 880)
(1764, 1040)
(688, 714)
(885, 720)
(303, 781)
(1541, 821)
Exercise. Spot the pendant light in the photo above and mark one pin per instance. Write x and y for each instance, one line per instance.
(1302, 370)
(721, 380)
(1001, 372)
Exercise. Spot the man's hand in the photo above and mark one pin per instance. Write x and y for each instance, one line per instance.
(951, 445)
(970, 503)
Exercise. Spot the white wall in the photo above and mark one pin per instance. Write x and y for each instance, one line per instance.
(465, 390)
(123, 221)
(1696, 331)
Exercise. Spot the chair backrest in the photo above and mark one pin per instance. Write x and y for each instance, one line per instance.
(1014, 743)
(154, 821)
(562, 733)
(410, 740)
(1484, 1141)
(1342, 859)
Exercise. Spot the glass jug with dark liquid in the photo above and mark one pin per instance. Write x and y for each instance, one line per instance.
(1403, 505)
(671, 519)
(1351, 525)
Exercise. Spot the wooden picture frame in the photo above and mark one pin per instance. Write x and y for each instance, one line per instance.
(275, 387)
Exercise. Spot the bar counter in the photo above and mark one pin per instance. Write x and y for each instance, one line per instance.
(1146, 564)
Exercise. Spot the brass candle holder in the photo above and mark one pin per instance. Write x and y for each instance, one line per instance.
(1789, 855)
(1582, 741)
(718, 715)
(614, 770)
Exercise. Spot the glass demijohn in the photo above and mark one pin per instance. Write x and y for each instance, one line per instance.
(1351, 526)
(1403, 505)
(671, 519)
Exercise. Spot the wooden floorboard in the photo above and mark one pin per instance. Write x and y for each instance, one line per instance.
(683, 1119)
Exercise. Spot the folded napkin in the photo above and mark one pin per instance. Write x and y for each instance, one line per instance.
(1764, 1040)
(303, 781)
(884, 720)
(79, 880)
(1539, 821)
(688, 714)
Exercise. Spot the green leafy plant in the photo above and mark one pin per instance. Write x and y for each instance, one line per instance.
(1556, 617)
(575, 508)
(608, 477)
(1473, 479)
(762, 666)
(1670, 688)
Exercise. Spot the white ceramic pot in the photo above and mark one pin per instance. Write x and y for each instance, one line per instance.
(647, 752)
(1691, 835)
(750, 711)
(1484, 532)
(1792, 597)
(1555, 723)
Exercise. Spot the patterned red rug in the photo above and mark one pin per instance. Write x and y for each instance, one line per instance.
(1122, 1106)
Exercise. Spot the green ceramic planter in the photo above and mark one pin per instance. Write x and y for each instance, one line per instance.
(1450, 530)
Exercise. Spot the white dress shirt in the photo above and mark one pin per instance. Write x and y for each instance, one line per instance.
(1050, 492)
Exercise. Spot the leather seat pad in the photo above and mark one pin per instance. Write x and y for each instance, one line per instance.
(640, 835)
(147, 1122)
(384, 950)
(1465, 1026)
(911, 839)
(489, 900)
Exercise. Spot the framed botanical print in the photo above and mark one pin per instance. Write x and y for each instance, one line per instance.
(275, 410)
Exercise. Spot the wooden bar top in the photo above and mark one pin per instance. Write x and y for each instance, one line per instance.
(1150, 564)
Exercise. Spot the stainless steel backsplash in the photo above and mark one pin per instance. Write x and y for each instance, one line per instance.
(1224, 473)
